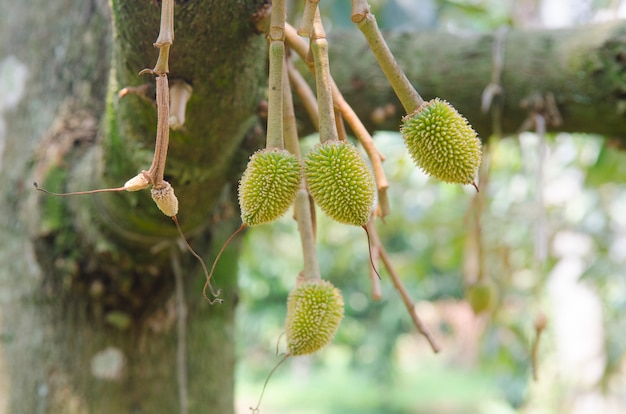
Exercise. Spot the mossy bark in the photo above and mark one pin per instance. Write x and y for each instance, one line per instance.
(90, 279)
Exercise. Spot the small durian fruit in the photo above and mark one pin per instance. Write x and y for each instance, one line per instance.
(442, 142)
(165, 199)
(314, 312)
(340, 182)
(269, 186)
(481, 296)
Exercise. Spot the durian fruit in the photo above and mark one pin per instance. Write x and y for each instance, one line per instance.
(314, 312)
(269, 186)
(442, 143)
(340, 182)
(481, 296)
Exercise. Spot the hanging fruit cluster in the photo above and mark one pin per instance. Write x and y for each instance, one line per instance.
(333, 175)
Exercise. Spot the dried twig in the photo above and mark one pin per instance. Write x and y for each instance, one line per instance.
(395, 278)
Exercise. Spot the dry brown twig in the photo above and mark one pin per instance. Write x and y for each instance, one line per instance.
(395, 278)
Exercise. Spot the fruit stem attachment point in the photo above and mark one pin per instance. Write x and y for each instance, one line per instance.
(164, 40)
(208, 285)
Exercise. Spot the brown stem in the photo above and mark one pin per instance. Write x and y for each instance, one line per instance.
(395, 278)
(305, 93)
(157, 168)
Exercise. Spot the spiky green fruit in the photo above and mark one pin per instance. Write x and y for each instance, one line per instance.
(442, 143)
(340, 182)
(269, 186)
(314, 312)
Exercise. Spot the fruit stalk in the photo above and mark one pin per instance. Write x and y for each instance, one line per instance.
(276, 37)
(305, 227)
(157, 168)
(366, 22)
(302, 89)
(308, 16)
(290, 127)
(319, 48)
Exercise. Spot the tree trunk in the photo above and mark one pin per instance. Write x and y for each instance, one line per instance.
(88, 319)
(89, 322)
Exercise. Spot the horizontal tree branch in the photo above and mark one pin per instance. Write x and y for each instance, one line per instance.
(580, 69)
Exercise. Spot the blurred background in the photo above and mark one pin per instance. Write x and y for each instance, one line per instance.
(547, 234)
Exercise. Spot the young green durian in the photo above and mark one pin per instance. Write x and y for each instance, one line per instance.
(314, 312)
(442, 143)
(269, 186)
(340, 182)
(481, 296)
(267, 189)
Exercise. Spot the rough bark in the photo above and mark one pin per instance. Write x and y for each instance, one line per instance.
(88, 319)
